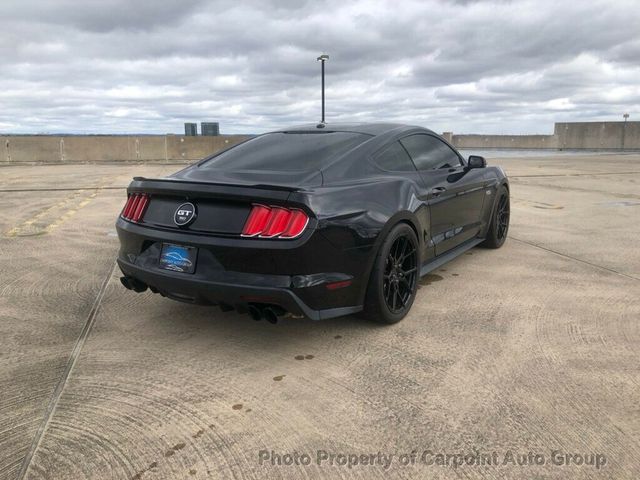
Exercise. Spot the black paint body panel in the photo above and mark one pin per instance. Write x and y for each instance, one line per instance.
(351, 203)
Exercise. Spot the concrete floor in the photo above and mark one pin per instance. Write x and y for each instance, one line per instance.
(531, 348)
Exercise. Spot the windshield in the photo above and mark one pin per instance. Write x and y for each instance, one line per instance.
(286, 152)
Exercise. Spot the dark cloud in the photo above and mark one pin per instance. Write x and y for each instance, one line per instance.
(100, 16)
(148, 66)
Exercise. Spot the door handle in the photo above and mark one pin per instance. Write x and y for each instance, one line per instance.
(437, 191)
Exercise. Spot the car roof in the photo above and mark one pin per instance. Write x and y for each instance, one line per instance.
(366, 128)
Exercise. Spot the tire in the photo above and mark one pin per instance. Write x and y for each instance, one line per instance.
(499, 227)
(394, 277)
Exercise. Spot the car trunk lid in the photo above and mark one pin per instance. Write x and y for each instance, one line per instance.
(221, 208)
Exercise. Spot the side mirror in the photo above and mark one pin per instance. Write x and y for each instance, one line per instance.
(476, 161)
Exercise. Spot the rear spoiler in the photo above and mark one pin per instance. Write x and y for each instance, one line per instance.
(190, 189)
(226, 184)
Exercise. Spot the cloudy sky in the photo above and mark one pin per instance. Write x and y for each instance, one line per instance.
(147, 66)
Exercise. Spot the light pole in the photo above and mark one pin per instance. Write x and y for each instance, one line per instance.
(322, 58)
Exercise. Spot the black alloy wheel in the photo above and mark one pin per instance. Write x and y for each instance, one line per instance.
(499, 226)
(502, 216)
(394, 277)
(400, 274)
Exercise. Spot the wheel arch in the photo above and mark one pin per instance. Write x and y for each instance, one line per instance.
(494, 206)
(403, 217)
(371, 297)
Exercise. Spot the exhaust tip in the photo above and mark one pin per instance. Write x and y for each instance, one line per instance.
(270, 315)
(254, 313)
(126, 283)
(138, 286)
(131, 283)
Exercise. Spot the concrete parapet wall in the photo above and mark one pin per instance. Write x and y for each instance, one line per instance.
(598, 135)
(30, 149)
(100, 148)
(571, 136)
(53, 149)
(505, 141)
(194, 148)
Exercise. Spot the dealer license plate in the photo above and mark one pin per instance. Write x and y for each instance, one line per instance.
(178, 258)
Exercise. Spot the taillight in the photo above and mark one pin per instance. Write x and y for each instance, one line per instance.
(297, 223)
(278, 222)
(135, 207)
(257, 220)
(126, 212)
(274, 222)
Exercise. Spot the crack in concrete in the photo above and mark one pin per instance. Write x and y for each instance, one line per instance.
(576, 259)
(71, 362)
(572, 174)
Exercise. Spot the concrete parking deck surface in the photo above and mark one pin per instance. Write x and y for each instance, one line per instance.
(532, 348)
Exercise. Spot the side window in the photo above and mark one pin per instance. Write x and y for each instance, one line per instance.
(394, 158)
(429, 153)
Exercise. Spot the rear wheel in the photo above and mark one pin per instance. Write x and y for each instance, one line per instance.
(394, 278)
(497, 233)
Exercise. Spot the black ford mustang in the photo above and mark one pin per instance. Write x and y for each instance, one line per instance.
(317, 221)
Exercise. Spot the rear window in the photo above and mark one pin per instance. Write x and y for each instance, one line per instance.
(286, 152)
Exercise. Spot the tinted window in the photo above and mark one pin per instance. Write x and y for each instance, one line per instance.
(394, 158)
(284, 152)
(429, 152)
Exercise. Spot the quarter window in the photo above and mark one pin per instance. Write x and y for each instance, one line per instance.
(429, 153)
(394, 158)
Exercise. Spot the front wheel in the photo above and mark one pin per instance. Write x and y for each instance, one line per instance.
(497, 233)
(394, 278)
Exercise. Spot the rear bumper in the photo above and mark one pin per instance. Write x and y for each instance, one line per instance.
(240, 272)
(185, 288)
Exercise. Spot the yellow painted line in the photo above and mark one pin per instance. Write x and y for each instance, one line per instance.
(23, 228)
(15, 231)
(69, 213)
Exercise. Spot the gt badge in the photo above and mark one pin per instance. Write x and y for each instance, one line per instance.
(185, 214)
